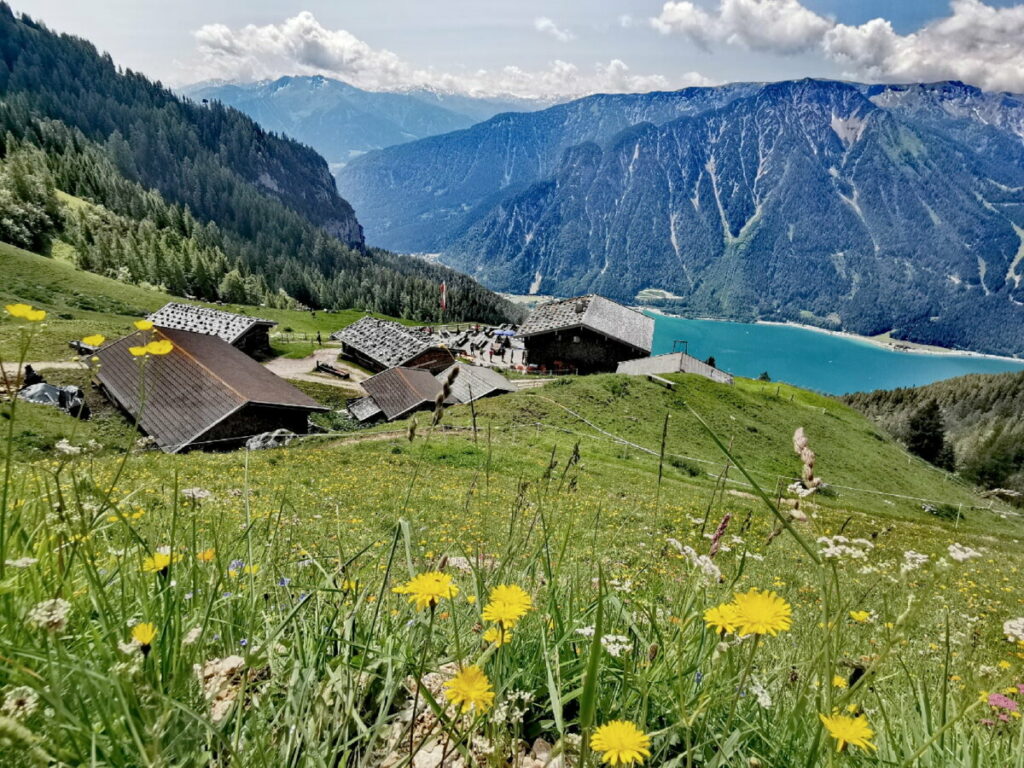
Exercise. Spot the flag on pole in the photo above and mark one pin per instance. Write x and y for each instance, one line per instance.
(444, 295)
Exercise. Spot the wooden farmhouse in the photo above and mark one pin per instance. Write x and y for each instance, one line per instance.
(249, 334)
(395, 393)
(381, 344)
(587, 334)
(204, 394)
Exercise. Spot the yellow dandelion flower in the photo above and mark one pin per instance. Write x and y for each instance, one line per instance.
(426, 590)
(144, 633)
(157, 563)
(471, 599)
(508, 604)
(838, 681)
(860, 616)
(144, 325)
(498, 636)
(849, 730)
(207, 555)
(470, 689)
(761, 613)
(137, 351)
(95, 340)
(620, 742)
(161, 347)
(721, 618)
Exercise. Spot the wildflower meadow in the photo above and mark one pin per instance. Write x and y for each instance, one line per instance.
(465, 593)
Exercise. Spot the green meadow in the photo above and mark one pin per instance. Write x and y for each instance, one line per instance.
(239, 609)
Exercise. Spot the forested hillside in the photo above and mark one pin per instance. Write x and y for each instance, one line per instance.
(982, 416)
(198, 199)
(862, 208)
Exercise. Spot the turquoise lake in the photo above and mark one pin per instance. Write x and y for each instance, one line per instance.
(821, 361)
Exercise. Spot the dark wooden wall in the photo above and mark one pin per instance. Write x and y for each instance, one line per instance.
(255, 342)
(252, 419)
(578, 349)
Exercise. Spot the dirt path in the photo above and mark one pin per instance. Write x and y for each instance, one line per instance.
(303, 369)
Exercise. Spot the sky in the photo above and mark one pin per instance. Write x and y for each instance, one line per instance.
(553, 49)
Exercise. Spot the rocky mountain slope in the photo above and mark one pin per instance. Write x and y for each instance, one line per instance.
(866, 208)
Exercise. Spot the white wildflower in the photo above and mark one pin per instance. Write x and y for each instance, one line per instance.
(64, 447)
(51, 615)
(585, 631)
(196, 494)
(764, 699)
(616, 645)
(19, 702)
(962, 553)
(21, 562)
(912, 561)
(192, 635)
(1014, 630)
(840, 547)
(702, 563)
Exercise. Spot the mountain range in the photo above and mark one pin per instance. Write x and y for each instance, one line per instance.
(866, 208)
(341, 121)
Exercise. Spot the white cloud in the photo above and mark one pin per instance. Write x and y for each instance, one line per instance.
(976, 43)
(301, 45)
(547, 26)
(780, 26)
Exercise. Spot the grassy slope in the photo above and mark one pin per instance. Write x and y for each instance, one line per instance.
(330, 499)
(81, 303)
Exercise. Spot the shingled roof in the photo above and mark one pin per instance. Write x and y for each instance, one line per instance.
(201, 382)
(400, 391)
(214, 322)
(389, 343)
(596, 313)
(475, 381)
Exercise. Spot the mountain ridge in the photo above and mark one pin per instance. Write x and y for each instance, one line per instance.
(342, 121)
(801, 200)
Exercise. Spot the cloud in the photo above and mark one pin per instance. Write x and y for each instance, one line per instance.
(976, 43)
(547, 26)
(779, 26)
(301, 45)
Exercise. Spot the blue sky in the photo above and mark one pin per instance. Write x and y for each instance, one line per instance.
(553, 47)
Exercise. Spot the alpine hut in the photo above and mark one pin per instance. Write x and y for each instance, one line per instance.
(586, 334)
(381, 344)
(249, 334)
(395, 393)
(475, 382)
(203, 393)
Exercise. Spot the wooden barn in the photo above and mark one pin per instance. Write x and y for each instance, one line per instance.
(249, 334)
(395, 393)
(204, 394)
(381, 344)
(587, 334)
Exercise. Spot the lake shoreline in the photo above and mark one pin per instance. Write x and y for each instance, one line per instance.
(903, 347)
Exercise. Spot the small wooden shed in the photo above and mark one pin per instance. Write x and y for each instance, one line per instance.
(379, 345)
(397, 392)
